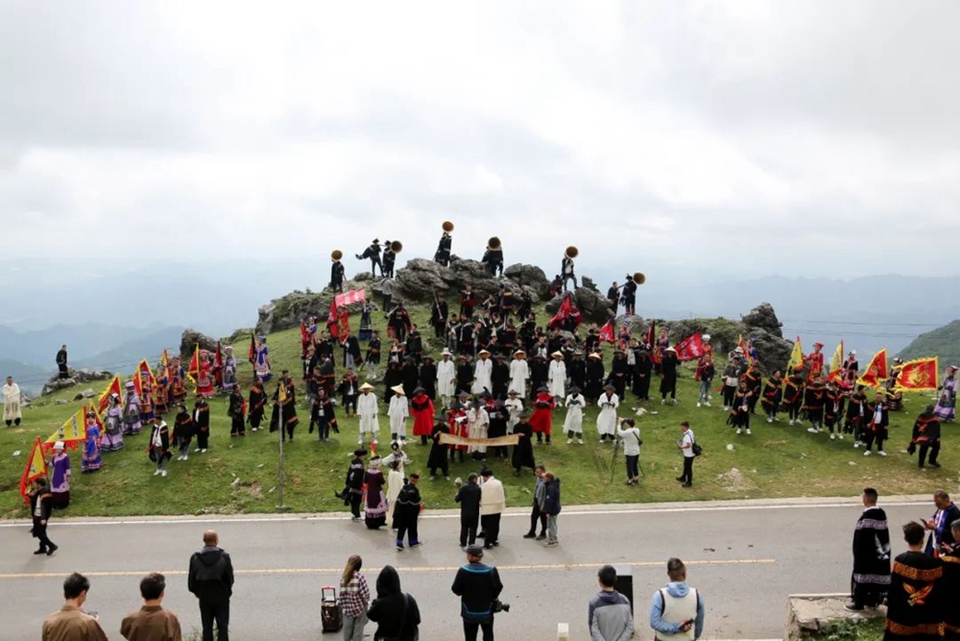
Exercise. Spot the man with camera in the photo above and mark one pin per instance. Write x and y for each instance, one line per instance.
(478, 586)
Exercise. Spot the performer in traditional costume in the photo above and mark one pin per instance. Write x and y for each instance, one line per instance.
(205, 378)
(668, 375)
(389, 260)
(926, 436)
(513, 407)
(813, 402)
(946, 409)
(161, 392)
(284, 416)
(457, 419)
(607, 418)
(60, 477)
(444, 247)
(375, 501)
(397, 411)
(428, 377)
(573, 423)
(446, 376)
(201, 424)
(261, 364)
(409, 376)
(92, 457)
(478, 426)
(740, 412)
(815, 359)
(183, 431)
(594, 377)
(833, 406)
(394, 484)
(856, 417)
(398, 323)
(793, 396)
(950, 584)
(113, 428)
(629, 296)
(178, 388)
(131, 412)
(914, 601)
(237, 411)
(11, 403)
(482, 372)
(439, 314)
(519, 373)
(256, 401)
(373, 253)
(352, 493)
(229, 369)
(468, 301)
(438, 451)
(876, 428)
(523, 450)
(493, 258)
(871, 555)
(566, 270)
(422, 410)
(336, 274)
(542, 418)
(368, 411)
(557, 376)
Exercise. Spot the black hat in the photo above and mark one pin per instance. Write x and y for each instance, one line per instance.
(359, 452)
(609, 386)
(574, 389)
(486, 472)
(543, 388)
(475, 550)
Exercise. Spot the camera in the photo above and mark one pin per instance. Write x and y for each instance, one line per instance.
(500, 606)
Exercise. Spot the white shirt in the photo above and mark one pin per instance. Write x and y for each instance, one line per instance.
(492, 498)
(687, 438)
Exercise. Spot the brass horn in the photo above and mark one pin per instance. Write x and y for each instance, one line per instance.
(336, 254)
(447, 226)
(639, 278)
(571, 252)
(493, 243)
(396, 246)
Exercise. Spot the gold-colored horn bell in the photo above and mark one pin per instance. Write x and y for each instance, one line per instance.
(493, 243)
(396, 246)
(336, 254)
(639, 278)
(447, 226)
(571, 252)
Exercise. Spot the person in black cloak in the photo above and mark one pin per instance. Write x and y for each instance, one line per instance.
(523, 450)
(395, 612)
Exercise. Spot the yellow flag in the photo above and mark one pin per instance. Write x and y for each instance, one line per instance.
(73, 430)
(282, 393)
(836, 361)
(795, 364)
(35, 468)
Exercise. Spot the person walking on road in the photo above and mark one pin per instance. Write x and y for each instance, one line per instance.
(40, 509)
(685, 445)
(551, 507)
(151, 622)
(493, 502)
(609, 615)
(478, 586)
(407, 513)
(468, 496)
(676, 611)
(211, 581)
(71, 622)
(871, 555)
(354, 599)
(395, 612)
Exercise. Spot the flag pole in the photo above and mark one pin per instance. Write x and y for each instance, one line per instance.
(280, 464)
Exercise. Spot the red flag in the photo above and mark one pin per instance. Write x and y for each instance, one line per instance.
(652, 342)
(348, 298)
(252, 352)
(304, 335)
(218, 366)
(193, 369)
(920, 374)
(36, 468)
(876, 371)
(332, 320)
(567, 310)
(690, 348)
(606, 332)
(113, 388)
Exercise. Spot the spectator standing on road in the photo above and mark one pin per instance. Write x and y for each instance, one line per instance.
(676, 611)
(535, 514)
(631, 448)
(609, 615)
(151, 622)
(211, 581)
(685, 445)
(493, 502)
(394, 611)
(551, 506)
(354, 599)
(478, 586)
(71, 622)
(468, 496)
(407, 513)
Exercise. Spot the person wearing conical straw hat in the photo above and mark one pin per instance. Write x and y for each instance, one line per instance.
(519, 373)
(367, 411)
(398, 413)
(482, 373)
(557, 375)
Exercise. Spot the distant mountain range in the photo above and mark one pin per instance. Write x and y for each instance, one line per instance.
(943, 342)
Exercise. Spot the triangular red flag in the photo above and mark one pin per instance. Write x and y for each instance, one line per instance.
(607, 333)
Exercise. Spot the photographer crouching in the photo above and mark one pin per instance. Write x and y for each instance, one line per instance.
(478, 586)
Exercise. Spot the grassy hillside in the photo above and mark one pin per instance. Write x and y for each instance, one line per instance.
(943, 342)
(240, 475)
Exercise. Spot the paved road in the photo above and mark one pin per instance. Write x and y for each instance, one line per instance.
(746, 557)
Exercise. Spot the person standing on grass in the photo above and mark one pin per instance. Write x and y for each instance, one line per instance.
(201, 424)
(354, 599)
(609, 615)
(71, 622)
(160, 446)
(685, 445)
(11, 403)
(151, 622)
(211, 581)
(631, 448)
(871, 555)
(676, 611)
(551, 506)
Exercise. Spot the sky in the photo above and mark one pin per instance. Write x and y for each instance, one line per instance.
(807, 138)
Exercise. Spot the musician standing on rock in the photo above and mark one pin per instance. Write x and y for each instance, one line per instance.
(336, 271)
(445, 246)
(566, 269)
(373, 253)
(493, 257)
(389, 260)
(629, 296)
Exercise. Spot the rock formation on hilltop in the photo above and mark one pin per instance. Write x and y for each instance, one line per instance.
(74, 377)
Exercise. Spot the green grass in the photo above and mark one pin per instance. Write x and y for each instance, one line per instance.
(852, 630)
(777, 461)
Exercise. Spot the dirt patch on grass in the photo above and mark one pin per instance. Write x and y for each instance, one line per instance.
(733, 480)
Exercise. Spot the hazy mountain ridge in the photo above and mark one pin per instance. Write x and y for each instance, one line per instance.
(943, 342)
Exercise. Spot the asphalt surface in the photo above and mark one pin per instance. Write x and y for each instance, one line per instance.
(745, 557)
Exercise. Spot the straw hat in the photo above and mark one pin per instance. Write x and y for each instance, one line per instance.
(557, 354)
(366, 387)
(482, 352)
(397, 389)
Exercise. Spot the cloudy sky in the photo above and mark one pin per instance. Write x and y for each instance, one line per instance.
(801, 138)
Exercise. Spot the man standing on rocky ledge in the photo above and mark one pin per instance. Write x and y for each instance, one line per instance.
(62, 362)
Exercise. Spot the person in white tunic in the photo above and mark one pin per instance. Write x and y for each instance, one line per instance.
(514, 407)
(482, 373)
(557, 376)
(607, 419)
(519, 373)
(394, 483)
(446, 378)
(398, 414)
(11, 403)
(367, 411)
(478, 424)
(573, 423)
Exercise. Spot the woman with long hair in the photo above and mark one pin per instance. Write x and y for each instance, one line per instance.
(354, 599)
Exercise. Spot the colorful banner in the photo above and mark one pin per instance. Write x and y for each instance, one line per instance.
(876, 371)
(499, 441)
(606, 332)
(347, 298)
(113, 388)
(36, 468)
(690, 348)
(73, 432)
(919, 375)
(795, 364)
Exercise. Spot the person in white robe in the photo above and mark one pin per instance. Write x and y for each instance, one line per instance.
(394, 483)
(478, 424)
(446, 378)
(514, 406)
(482, 373)
(607, 418)
(11, 403)
(519, 373)
(367, 411)
(398, 413)
(573, 423)
(557, 376)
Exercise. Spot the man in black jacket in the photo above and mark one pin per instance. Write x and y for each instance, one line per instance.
(40, 509)
(211, 581)
(62, 362)
(478, 586)
(352, 493)
(468, 496)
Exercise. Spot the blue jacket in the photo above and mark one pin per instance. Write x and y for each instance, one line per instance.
(551, 498)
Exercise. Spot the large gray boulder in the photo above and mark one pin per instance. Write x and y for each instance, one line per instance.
(189, 341)
(529, 276)
(421, 278)
(287, 311)
(762, 317)
(594, 307)
(764, 328)
(74, 377)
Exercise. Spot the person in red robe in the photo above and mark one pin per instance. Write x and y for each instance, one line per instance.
(815, 358)
(457, 420)
(422, 411)
(542, 419)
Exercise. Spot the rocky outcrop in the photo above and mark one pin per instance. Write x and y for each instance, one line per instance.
(420, 279)
(189, 341)
(764, 328)
(74, 377)
(287, 311)
(529, 276)
(594, 307)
